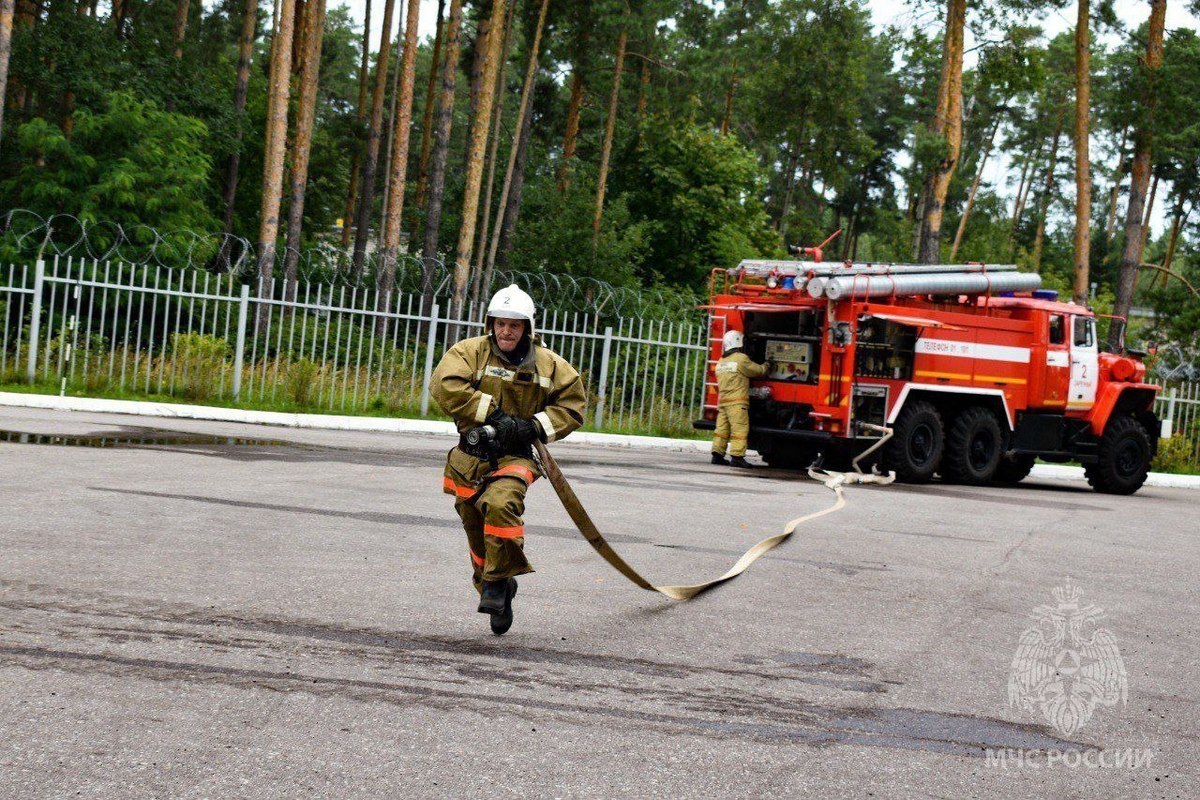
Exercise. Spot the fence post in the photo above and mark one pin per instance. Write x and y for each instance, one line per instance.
(603, 392)
(35, 322)
(239, 352)
(430, 341)
(1170, 427)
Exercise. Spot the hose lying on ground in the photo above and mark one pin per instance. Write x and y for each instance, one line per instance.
(832, 480)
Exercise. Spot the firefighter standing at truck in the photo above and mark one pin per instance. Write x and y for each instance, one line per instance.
(734, 372)
(505, 380)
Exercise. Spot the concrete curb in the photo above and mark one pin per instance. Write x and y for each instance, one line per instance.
(1056, 472)
(320, 421)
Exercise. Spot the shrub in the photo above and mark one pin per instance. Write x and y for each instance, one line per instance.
(201, 360)
(1179, 454)
(302, 376)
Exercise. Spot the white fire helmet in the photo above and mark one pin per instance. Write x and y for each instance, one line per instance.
(512, 303)
(732, 340)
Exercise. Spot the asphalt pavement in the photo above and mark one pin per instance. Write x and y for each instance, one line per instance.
(197, 609)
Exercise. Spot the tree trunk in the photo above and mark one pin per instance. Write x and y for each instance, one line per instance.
(727, 116)
(482, 29)
(6, 31)
(643, 89)
(427, 121)
(919, 221)
(1023, 194)
(948, 123)
(1146, 219)
(1083, 177)
(571, 134)
(1143, 140)
(120, 12)
(385, 278)
(1112, 202)
(181, 21)
(514, 173)
(276, 141)
(360, 116)
(23, 18)
(481, 248)
(302, 145)
(371, 164)
(300, 37)
(476, 146)
(1178, 221)
(962, 223)
(610, 129)
(1047, 193)
(391, 129)
(793, 163)
(441, 149)
(512, 207)
(241, 89)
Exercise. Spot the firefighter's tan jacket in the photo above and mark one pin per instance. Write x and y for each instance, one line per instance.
(734, 372)
(474, 379)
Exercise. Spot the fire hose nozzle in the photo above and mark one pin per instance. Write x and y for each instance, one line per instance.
(480, 435)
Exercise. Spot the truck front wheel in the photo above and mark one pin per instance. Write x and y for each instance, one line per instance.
(974, 445)
(1123, 458)
(915, 449)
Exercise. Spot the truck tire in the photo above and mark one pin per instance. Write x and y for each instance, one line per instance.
(914, 452)
(1014, 469)
(1123, 457)
(974, 445)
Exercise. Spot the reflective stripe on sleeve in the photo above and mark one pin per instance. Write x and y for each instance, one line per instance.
(547, 426)
(485, 406)
(478, 561)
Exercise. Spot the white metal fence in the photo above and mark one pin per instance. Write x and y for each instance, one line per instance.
(1180, 403)
(115, 328)
(112, 328)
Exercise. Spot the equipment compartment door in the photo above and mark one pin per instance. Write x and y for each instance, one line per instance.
(1084, 363)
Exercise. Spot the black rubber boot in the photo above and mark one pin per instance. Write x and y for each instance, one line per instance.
(717, 458)
(503, 621)
(740, 461)
(494, 597)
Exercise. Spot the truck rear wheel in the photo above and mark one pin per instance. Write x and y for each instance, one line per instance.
(1123, 458)
(915, 449)
(1014, 469)
(974, 445)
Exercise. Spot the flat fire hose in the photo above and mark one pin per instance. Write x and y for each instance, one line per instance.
(583, 522)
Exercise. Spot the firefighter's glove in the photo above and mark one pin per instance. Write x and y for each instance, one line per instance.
(513, 431)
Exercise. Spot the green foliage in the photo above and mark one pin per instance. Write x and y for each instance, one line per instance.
(202, 359)
(131, 164)
(1179, 454)
(828, 114)
(302, 377)
(555, 233)
(696, 193)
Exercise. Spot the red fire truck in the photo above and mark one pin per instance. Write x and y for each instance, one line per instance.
(976, 371)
